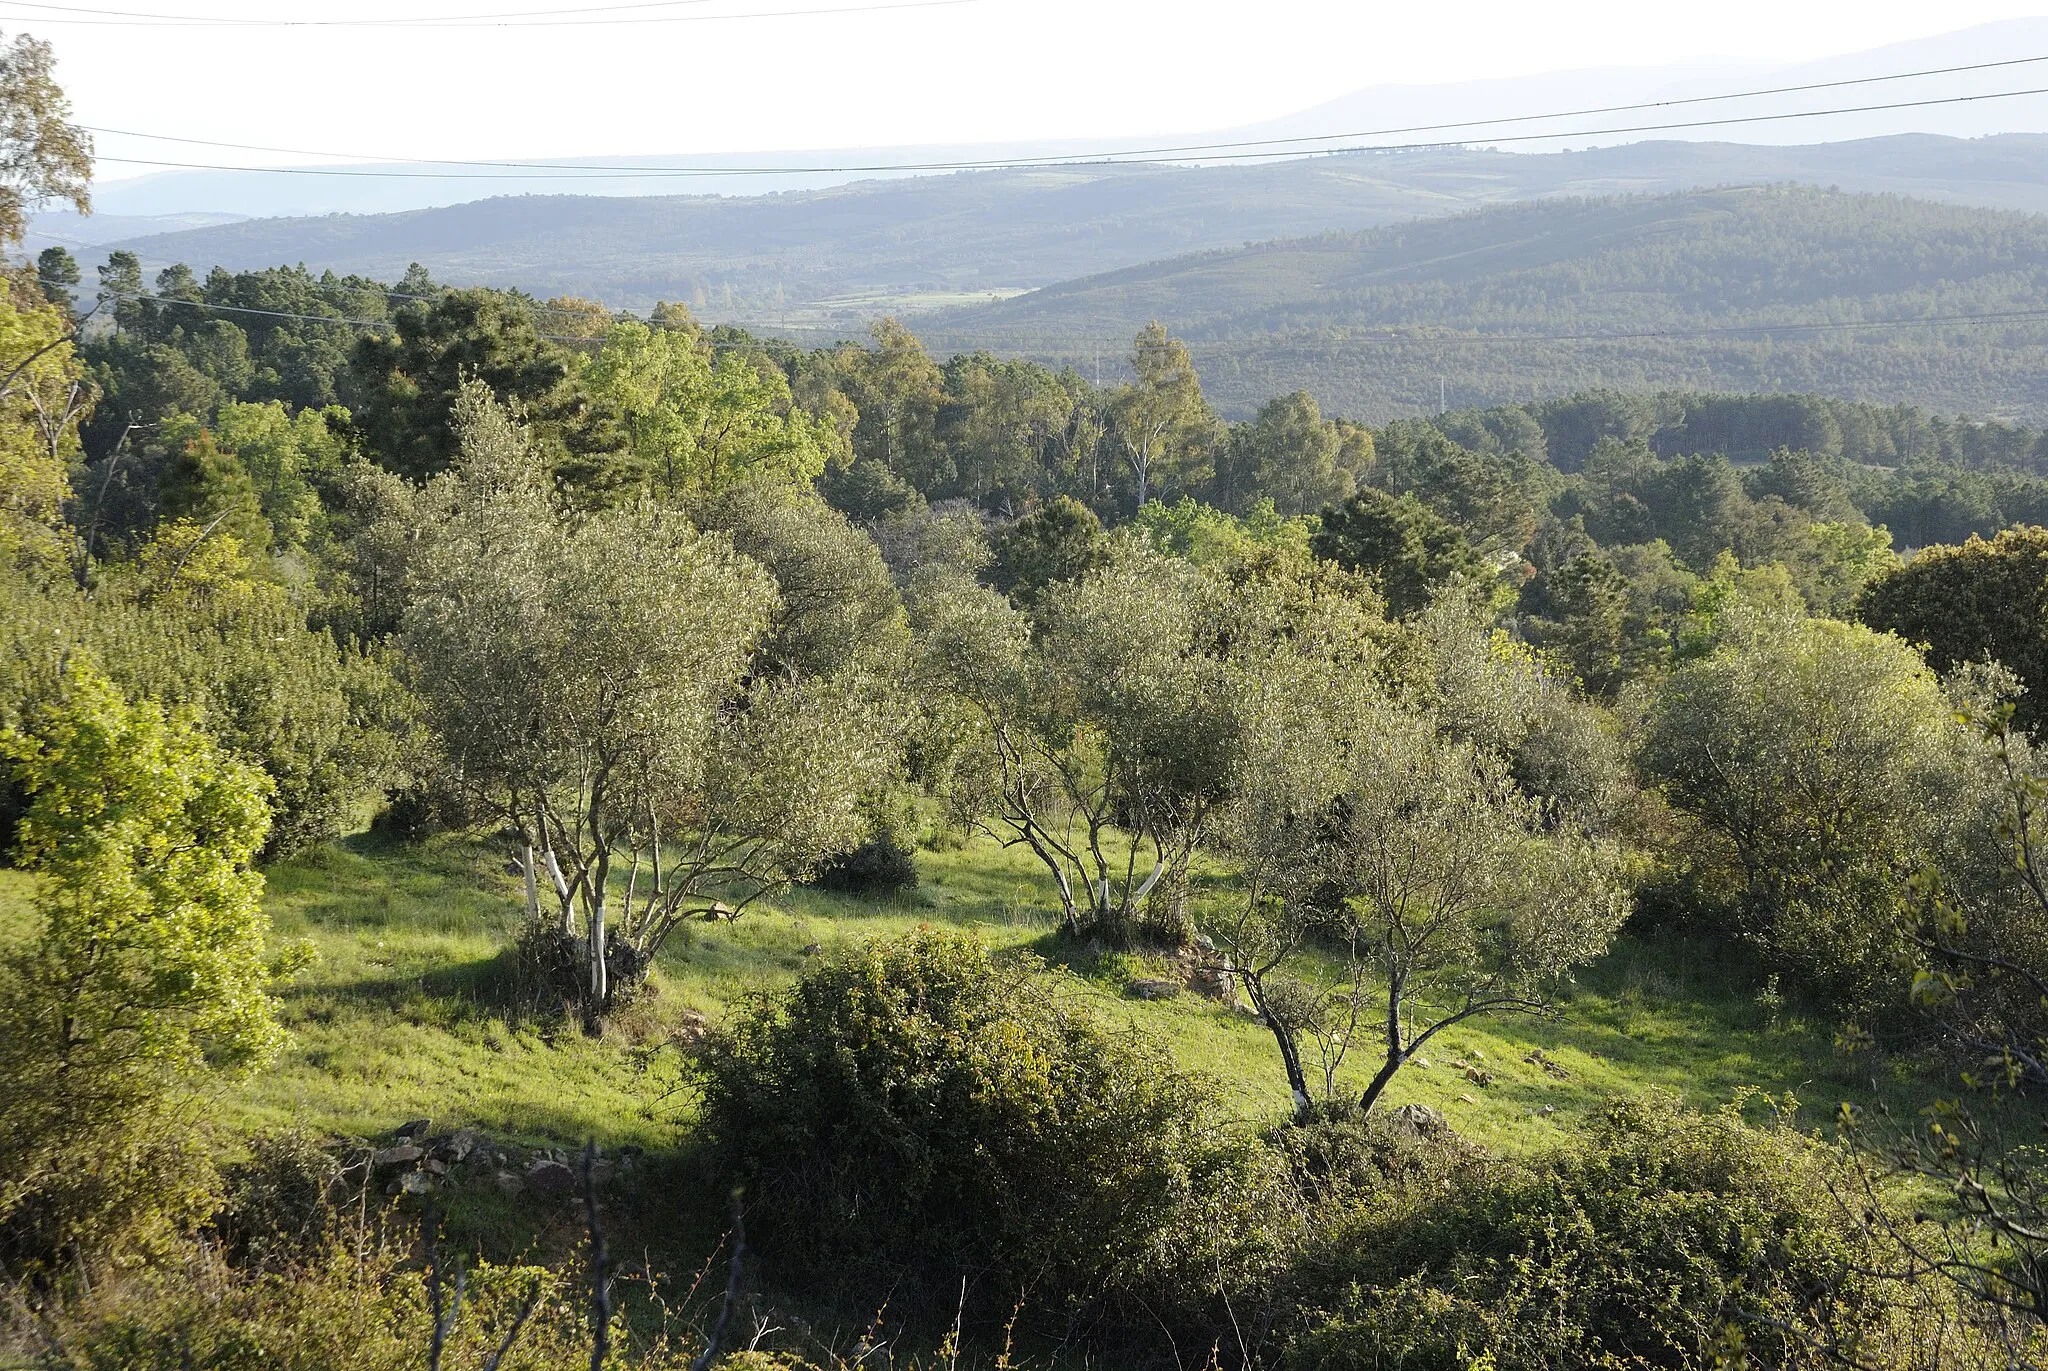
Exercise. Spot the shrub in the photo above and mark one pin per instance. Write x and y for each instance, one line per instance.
(1663, 1239)
(145, 981)
(880, 866)
(912, 1112)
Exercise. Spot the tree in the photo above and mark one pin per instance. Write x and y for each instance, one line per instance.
(43, 156)
(43, 392)
(1289, 455)
(1400, 541)
(1093, 738)
(409, 382)
(1822, 764)
(997, 421)
(57, 273)
(897, 389)
(693, 422)
(149, 974)
(593, 680)
(1162, 423)
(1980, 601)
(205, 486)
(1061, 540)
(1413, 854)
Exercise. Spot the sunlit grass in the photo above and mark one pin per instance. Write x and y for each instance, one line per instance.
(410, 1010)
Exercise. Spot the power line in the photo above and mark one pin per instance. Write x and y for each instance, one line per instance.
(241, 21)
(204, 23)
(1103, 159)
(1152, 151)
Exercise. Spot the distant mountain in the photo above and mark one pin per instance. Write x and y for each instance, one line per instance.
(825, 261)
(1745, 289)
(1373, 110)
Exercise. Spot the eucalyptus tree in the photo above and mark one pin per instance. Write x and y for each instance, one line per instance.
(1163, 424)
(593, 680)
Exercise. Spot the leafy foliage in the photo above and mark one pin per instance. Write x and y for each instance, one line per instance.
(912, 1111)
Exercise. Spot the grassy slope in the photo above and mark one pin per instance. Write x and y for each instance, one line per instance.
(404, 1014)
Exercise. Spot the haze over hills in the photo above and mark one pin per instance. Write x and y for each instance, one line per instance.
(1382, 111)
(1524, 301)
(828, 260)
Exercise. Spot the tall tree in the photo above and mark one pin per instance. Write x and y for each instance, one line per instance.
(43, 155)
(1162, 423)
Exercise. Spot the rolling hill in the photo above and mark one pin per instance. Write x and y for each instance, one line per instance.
(824, 261)
(1742, 289)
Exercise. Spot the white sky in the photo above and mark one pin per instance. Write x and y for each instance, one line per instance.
(983, 70)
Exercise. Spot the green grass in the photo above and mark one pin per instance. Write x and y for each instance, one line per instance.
(409, 1011)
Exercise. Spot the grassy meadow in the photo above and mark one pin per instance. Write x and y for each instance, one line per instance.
(409, 1010)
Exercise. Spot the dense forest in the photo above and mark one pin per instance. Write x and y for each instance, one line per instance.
(1743, 288)
(865, 857)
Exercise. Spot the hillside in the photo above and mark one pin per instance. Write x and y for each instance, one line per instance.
(1753, 289)
(830, 259)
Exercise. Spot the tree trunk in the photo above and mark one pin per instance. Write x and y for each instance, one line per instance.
(532, 886)
(1290, 1051)
(1397, 1051)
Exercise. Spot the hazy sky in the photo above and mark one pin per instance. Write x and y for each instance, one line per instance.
(984, 69)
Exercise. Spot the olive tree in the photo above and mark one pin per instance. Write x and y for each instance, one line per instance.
(1822, 764)
(1089, 737)
(592, 680)
(1443, 890)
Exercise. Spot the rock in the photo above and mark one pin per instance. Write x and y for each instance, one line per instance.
(509, 1184)
(413, 1128)
(550, 1177)
(813, 949)
(1546, 1111)
(403, 1155)
(1215, 982)
(1153, 990)
(435, 1166)
(1466, 1099)
(411, 1183)
(1205, 943)
(457, 1146)
(1417, 1121)
(1422, 1062)
(1537, 1057)
(1478, 1077)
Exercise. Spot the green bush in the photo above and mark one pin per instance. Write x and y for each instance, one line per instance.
(913, 1112)
(1662, 1239)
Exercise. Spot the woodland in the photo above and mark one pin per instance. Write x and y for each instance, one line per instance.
(538, 837)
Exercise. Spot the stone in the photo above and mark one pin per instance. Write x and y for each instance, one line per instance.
(1538, 1057)
(415, 1183)
(435, 1165)
(413, 1128)
(1153, 990)
(403, 1155)
(509, 1184)
(1466, 1099)
(1417, 1121)
(457, 1146)
(550, 1177)
(1215, 982)
(813, 949)
(1478, 1077)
